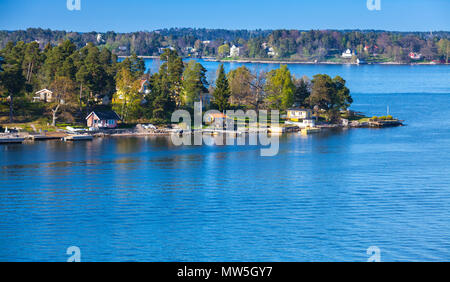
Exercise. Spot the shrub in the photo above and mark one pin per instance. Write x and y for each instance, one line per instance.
(389, 117)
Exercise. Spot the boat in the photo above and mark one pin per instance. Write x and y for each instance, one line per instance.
(78, 138)
(310, 130)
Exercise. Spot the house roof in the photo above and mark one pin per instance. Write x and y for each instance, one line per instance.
(299, 109)
(43, 90)
(105, 114)
(217, 115)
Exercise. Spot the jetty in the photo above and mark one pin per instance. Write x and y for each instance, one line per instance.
(78, 138)
(11, 139)
(48, 136)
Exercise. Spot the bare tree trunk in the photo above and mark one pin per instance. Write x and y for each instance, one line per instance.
(31, 72)
(28, 71)
(54, 112)
(11, 109)
(81, 98)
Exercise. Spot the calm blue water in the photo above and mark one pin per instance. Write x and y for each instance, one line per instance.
(326, 197)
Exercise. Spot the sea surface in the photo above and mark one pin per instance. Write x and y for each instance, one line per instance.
(324, 197)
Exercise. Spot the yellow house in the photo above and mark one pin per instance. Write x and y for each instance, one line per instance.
(299, 114)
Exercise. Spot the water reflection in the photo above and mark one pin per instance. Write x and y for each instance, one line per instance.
(326, 196)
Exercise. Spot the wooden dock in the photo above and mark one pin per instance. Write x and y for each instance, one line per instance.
(11, 140)
(78, 138)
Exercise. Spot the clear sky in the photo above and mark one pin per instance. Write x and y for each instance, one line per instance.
(139, 15)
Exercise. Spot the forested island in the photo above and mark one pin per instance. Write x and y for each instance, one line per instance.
(313, 46)
(60, 85)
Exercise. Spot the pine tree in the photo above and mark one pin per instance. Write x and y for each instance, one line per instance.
(222, 92)
(194, 82)
(301, 92)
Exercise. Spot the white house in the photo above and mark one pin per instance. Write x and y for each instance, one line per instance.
(415, 56)
(234, 51)
(347, 54)
(300, 117)
(272, 52)
(43, 95)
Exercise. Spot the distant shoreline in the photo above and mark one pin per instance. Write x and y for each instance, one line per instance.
(257, 61)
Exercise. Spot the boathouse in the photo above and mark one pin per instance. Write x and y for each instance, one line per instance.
(102, 119)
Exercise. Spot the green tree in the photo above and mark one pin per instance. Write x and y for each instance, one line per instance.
(11, 78)
(135, 65)
(54, 61)
(32, 60)
(240, 81)
(172, 69)
(194, 83)
(223, 50)
(302, 91)
(330, 95)
(161, 103)
(64, 93)
(221, 94)
(280, 88)
(126, 100)
(444, 46)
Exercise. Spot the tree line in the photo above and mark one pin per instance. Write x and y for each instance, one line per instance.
(88, 77)
(321, 45)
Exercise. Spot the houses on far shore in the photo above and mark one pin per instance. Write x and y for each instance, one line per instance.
(415, 56)
(347, 54)
(234, 51)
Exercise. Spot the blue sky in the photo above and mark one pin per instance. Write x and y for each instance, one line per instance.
(138, 15)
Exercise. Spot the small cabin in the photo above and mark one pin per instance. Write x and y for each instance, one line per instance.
(347, 54)
(415, 56)
(211, 118)
(43, 95)
(102, 119)
(299, 114)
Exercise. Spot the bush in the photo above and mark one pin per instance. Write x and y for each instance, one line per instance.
(158, 121)
(374, 118)
(389, 117)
